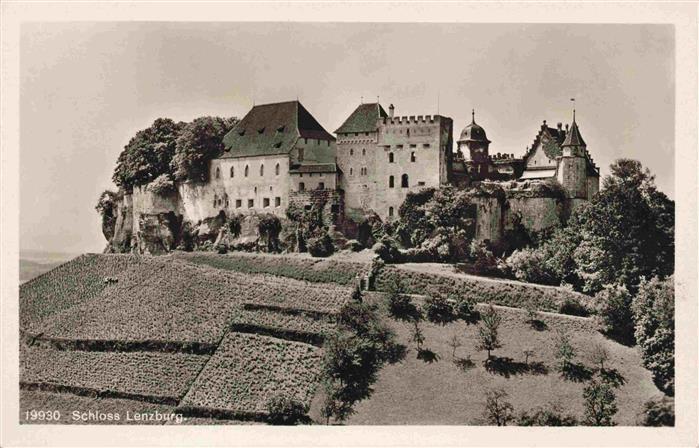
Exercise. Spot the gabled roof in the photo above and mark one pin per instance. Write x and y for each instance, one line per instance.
(553, 148)
(270, 129)
(365, 118)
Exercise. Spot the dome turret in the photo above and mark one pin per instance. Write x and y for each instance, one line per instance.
(473, 132)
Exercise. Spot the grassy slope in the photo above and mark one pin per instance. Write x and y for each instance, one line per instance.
(415, 392)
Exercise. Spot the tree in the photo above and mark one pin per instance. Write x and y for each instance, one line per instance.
(199, 142)
(626, 231)
(600, 403)
(614, 306)
(454, 343)
(551, 415)
(654, 312)
(600, 355)
(659, 412)
(564, 352)
(417, 336)
(498, 411)
(269, 227)
(527, 354)
(488, 330)
(439, 310)
(285, 410)
(147, 155)
(107, 208)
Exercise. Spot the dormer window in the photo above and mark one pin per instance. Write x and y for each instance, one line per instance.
(281, 128)
(241, 132)
(301, 154)
(278, 145)
(261, 130)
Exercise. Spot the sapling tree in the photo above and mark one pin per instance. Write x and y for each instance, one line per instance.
(600, 403)
(564, 352)
(527, 353)
(454, 343)
(600, 355)
(498, 411)
(488, 331)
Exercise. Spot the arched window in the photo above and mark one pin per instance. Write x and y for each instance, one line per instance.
(302, 186)
(390, 211)
(404, 181)
(390, 182)
(390, 157)
(363, 151)
(247, 169)
(412, 156)
(351, 171)
(218, 172)
(276, 170)
(262, 170)
(232, 171)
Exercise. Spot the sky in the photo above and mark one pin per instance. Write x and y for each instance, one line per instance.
(86, 88)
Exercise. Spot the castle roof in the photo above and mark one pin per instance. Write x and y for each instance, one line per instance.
(473, 132)
(574, 138)
(365, 118)
(270, 129)
(315, 168)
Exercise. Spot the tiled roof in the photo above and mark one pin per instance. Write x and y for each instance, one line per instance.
(270, 129)
(364, 119)
(574, 138)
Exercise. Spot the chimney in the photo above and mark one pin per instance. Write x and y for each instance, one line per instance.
(559, 126)
(390, 111)
(566, 128)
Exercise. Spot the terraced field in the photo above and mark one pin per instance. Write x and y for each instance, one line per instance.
(70, 284)
(298, 326)
(247, 370)
(156, 377)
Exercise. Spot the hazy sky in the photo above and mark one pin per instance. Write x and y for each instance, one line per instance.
(86, 88)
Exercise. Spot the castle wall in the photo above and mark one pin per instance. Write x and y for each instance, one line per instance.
(312, 181)
(572, 175)
(356, 156)
(489, 219)
(592, 187)
(536, 213)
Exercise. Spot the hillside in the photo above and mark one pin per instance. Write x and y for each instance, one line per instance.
(214, 337)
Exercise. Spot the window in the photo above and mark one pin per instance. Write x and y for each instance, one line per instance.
(277, 201)
(390, 157)
(426, 145)
(302, 186)
(276, 170)
(232, 172)
(238, 203)
(321, 185)
(351, 151)
(404, 181)
(261, 130)
(399, 146)
(412, 156)
(262, 170)
(363, 151)
(265, 202)
(251, 203)
(365, 171)
(307, 207)
(390, 211)
(215, 200)
(351, 171)
(300, 154)
(334, 208)
(413, 146)
(421, 184)
(390, 182)
(218, 172)
(246, 170)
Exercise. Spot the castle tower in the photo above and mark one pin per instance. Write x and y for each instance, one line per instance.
(474, 145)
(572, 164)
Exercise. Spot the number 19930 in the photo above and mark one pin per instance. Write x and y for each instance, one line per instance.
(46, 416)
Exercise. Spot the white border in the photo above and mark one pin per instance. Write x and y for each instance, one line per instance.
(682, 15)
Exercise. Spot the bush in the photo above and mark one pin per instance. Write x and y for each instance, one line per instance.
(614, 307)
(284, 410)
(600, 403)
(659, 412)
(439, 310)
(387, 250)
(572, 307)
(464, 307)
(354, 245)
(549, 416)
(321, 246)
(654, 312)
(269, 228)
(529, 265)
(163, 185)
(484, 262)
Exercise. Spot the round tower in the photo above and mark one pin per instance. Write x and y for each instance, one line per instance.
(572, 164)
(474, 145)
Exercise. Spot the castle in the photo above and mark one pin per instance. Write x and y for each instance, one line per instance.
(279, 155)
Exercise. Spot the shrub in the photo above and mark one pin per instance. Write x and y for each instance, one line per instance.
(163, 185)
(235, 225)
(565, 353)
(464, 307)
(600, 355)
(221, 248)
(600, 403)
(614, 307)
(654, 312)
(107, 208)
(529, 265)
(498, 411)
(573, 307)
(659, 412)
(401, 306)
(439, 310)
(269, 228)
(284, 410)
(484, 262)
(354, 245)
(546, 416)
(321, 246)
(387, 250)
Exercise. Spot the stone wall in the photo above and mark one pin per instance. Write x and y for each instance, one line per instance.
(536, 213)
